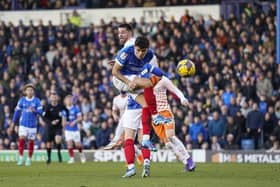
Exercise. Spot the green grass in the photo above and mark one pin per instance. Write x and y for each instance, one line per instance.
(163, 175)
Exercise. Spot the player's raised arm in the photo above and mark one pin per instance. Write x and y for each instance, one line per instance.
(172, 88)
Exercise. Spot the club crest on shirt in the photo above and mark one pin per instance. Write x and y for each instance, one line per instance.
(123, 55)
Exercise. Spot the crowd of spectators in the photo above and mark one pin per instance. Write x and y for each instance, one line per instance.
(73, 4)
(234, 95)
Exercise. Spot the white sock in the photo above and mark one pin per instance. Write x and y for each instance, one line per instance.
(137, 151)
(118, 133)
(130, 166)
(179, 149)
(20, 157)
(146, 137)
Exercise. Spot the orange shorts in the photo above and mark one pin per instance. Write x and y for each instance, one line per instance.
(160, 129)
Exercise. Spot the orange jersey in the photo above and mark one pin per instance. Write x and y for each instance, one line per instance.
(163, 107)
(161, 96)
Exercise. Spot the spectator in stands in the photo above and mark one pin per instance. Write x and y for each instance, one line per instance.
(230, 143)
(217, 128)
(270, 122)
(264, 86)
(75, 19)
(254, 124)
(215, 146)
(103, 135)
(195, 129)
(200, 143)
(233, 107)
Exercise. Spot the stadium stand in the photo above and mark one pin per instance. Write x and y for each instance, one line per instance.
(72, 4)
(235, 61)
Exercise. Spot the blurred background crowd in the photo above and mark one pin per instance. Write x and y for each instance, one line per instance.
(234, 95)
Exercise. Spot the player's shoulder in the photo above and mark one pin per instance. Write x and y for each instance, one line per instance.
(130, 42)
(22, 99)
(124, 54)
(37, 99)
(76, 108)
(127, 49)
(150, 54)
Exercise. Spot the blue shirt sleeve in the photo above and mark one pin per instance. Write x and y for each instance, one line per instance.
(78, 112)
(122, 57)
(17, 112)
(148, 68)
(39, 108)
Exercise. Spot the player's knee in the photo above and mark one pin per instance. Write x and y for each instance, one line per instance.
(121, 86)
(172, 138)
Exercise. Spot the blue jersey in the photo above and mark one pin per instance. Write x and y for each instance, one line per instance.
(132, 104)
(131, 65)
(73, 112)
(27, 115)
(149, 69)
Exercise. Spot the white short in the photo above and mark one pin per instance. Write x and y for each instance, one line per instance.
(30, 133)
(132, 119)
(121, 86)
(72, 136)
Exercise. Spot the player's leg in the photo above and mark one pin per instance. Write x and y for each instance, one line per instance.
(131, 123)
(31, 137)
(79, 146)
(22, 133)
(49, 151)
(146, 154)
(58, 139)
(69, 139)
(50, 139)
(129, 152)
(178, 148)
(146, 120)
(118, 136)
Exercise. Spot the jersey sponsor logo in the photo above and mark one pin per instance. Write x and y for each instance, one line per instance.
(144, 72)
(123, 55)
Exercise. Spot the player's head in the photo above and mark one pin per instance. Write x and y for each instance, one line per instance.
(29, 90)
(53, 96)
(68, 100)
(141, 47)
(125, 32)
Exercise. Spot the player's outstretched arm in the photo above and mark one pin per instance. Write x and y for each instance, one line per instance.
(172, 88)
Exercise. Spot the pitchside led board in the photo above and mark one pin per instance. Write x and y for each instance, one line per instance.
(201, 156)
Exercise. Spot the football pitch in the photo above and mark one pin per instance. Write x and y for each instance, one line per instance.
(163, 175)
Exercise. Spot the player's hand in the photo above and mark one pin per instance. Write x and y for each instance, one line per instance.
(32, 109)
(259, 130)
(12, 124)
(185, 102)
(55, 122)
(131, 85)
(72, 124)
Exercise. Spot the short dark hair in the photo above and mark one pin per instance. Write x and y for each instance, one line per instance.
(126, 26)
(142, 42)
